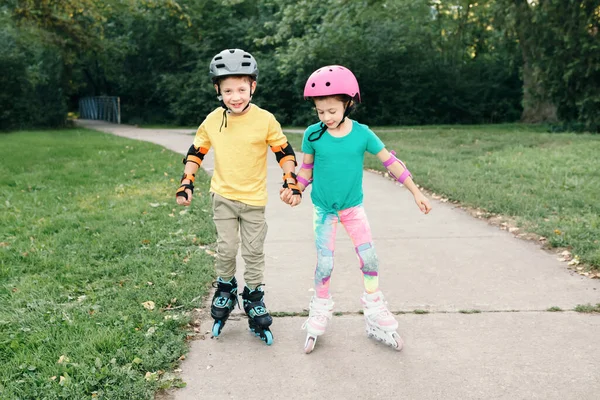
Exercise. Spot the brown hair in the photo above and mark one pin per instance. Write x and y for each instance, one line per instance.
(247, 78)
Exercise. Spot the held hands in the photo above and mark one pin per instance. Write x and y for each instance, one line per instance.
(290, 193)
(422, 202)
(287, 196)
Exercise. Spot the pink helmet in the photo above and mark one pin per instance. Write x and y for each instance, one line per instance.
(331, 80)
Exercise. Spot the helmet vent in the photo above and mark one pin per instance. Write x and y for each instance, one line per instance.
(327, 83)
(218, 58)
(313, 85)
(247, 56)
(245, 64)
(220, 65)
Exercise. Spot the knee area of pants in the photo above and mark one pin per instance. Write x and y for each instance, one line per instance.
(368, 257)
(325, 259)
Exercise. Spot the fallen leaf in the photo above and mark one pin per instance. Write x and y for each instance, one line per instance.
(63, 359)
(149, 305)
(151, 376)
(210, 252)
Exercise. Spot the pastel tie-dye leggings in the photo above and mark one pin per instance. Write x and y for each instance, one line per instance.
(356, 223)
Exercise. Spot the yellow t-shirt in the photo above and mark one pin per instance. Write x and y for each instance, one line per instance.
(240, 152)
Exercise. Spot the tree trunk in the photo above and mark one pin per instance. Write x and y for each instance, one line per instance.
(537, 107)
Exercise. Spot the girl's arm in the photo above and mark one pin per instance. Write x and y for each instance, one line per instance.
(401, 173)
(306, 171)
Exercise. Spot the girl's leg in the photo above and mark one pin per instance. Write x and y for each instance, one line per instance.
(325, 225)
(356, 223)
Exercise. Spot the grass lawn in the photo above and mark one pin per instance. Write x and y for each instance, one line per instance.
(99, 269)
(547, 182)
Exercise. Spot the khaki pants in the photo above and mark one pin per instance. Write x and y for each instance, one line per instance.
(235, 220)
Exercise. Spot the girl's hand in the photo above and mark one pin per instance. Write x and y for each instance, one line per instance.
(422, 203)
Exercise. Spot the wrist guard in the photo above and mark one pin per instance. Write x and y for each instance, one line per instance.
(303, 181)
(293, 185)
(191, 177)
(181, 192)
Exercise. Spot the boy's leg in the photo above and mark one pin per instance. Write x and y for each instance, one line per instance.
(225, 217)
(253, 231)
(325, 225)
(357, 225)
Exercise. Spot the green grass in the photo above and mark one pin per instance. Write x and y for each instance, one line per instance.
(89, 230)
(548, 182)
(588, 308)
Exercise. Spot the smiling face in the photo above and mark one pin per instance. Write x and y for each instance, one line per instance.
(330, 110)
(237, 92)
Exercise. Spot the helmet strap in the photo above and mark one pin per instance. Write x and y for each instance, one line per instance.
(347, 110)
(226, 109)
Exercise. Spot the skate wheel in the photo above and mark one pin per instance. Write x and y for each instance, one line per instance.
(309, 346)
(399, 342)
(268, 338)
(216, 329)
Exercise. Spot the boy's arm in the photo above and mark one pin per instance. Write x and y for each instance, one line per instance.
(192, 160)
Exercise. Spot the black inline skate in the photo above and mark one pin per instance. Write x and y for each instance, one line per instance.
(224, 301)
(259, 319)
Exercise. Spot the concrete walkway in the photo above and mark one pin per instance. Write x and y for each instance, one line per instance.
(442, 263)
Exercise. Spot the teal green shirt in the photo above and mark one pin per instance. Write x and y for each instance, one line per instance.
(338, 170)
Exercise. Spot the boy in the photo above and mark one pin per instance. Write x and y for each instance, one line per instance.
(239, 132)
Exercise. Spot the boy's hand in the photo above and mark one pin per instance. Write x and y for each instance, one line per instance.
(184, 194)
(287, 196)
(422, 203)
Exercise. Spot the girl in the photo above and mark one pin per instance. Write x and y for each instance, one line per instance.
(333, 162)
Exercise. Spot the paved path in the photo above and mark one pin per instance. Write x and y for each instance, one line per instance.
(442, 263)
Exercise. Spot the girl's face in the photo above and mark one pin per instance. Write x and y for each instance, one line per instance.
(330, 111)
(236, 92)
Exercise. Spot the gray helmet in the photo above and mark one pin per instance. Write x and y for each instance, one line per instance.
(233, 62)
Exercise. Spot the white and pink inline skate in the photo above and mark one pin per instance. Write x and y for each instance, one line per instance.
(381, 324)
(321, 311)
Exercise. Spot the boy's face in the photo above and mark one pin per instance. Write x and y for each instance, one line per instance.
(236, 92)
(330, 111)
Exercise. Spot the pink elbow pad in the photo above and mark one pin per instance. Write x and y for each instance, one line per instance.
(392, 160)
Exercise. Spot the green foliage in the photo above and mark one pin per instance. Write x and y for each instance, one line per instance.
(417, 62)
(31, 76)
(561, 46)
